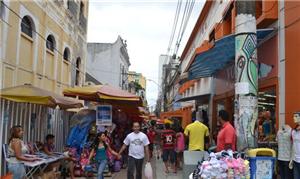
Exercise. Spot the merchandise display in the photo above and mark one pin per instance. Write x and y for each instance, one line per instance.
(222, 165)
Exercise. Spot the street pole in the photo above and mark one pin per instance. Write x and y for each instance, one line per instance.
(246, 74)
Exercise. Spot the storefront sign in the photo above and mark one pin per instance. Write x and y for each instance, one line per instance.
(104, 115)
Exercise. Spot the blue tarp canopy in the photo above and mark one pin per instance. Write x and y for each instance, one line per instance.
(216, 58)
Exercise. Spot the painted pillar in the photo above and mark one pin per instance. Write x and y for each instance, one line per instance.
(246, 75)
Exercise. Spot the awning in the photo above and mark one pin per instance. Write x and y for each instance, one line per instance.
(30, 94)
(104, 93)
(204, 97)
(222, 53)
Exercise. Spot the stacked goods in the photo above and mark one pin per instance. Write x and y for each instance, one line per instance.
(222, 166)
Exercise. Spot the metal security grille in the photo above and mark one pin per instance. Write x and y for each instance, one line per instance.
(37, 121)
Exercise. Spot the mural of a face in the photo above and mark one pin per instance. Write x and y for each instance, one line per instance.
(297, 117)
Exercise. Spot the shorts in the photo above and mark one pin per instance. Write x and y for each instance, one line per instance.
(169, 154)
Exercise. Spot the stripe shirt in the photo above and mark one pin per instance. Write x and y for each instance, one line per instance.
(169, 139)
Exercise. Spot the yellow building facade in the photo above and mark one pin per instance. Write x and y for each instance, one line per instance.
(43, 43)
(134, 77)
(137, 77)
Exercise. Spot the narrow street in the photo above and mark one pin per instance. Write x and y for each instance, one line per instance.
(158, 170)
(85, 82)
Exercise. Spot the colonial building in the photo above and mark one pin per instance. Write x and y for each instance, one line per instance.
(108, 63)
(137, 85)
(43, 43)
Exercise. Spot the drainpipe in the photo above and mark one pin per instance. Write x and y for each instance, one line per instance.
(246, 77)
(281, 64)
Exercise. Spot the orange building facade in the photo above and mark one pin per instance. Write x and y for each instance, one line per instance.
(278, 60)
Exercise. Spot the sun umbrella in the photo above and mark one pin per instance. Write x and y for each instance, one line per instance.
(31, 94)
(102, 93)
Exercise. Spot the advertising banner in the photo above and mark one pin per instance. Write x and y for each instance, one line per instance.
(104, 115)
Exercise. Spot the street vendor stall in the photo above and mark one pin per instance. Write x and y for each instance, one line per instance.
(103, 93)
(31, 94)
(38, 111)
(113, 110)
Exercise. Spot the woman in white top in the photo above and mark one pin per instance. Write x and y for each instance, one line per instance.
(16, 151)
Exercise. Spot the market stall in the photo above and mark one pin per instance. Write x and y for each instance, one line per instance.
(111, 110)
(39, 112)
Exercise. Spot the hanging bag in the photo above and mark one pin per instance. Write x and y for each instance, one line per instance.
(148, 171)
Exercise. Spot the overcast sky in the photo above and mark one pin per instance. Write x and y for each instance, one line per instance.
(145, 24)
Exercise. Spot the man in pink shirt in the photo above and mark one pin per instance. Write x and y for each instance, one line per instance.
(227, 137)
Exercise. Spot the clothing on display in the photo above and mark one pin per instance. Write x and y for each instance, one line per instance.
(284, 151)
(284, 143)
(296, 145)
(221, 166)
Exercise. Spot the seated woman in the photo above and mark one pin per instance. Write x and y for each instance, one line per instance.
(16, 152)
(49, 150)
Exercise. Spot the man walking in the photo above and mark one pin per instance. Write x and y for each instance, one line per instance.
(168, 141)
(197, 134)
(151, 136)
(138, 144)
(227, 137)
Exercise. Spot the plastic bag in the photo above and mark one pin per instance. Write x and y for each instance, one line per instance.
(148, 171)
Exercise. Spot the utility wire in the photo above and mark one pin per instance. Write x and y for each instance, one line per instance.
(185, 25)
(183, 19)
(178, 9)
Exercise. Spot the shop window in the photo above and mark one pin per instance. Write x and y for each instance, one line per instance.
(27, 26)
(50, 44)
(266, 117)
(67, 54)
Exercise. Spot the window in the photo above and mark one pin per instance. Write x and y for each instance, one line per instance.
(77, 78)
(81, 8)
(67, 54)
(50, 44)
(266, 116)
(27, 26)
(2, 9)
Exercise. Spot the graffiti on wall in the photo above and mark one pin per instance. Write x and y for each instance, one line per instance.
(246, 111)
(247, 61)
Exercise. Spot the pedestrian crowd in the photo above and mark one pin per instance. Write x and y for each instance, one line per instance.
(167, 143)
